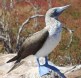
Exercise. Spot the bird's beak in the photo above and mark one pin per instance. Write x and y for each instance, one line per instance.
(61, 9)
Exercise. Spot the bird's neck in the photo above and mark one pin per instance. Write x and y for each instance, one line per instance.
(52, 24)
(50, 21)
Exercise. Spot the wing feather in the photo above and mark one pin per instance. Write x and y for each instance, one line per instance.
(32, 44)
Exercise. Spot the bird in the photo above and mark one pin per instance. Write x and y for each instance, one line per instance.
(43, 42)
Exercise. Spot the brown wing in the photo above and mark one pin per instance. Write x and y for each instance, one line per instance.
(32, 44)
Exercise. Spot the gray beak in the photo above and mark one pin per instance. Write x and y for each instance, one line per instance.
(61, 9)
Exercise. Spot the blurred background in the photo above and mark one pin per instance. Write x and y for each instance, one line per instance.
(14, 12)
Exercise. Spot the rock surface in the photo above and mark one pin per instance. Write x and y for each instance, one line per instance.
(27, 68)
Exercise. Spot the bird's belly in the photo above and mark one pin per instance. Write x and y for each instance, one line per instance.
(49, 45)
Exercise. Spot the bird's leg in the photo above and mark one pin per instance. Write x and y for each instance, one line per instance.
(42, 69)
(46, 60)
(42, 60)
(53, 68)
(49, 66)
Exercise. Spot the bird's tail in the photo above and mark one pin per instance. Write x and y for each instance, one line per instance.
(13, 59)
(15, 65)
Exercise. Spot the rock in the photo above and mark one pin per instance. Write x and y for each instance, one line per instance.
(28, 68)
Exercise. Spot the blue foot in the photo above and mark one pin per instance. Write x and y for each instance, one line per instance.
(45, 68)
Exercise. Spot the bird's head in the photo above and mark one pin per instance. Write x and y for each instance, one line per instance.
(55, 12)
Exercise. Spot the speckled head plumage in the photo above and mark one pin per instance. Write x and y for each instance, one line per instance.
(51, 17)
(56, 11)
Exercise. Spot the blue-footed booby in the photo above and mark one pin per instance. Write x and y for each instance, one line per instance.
(44, 41)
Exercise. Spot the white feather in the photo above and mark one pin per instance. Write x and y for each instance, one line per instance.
(54, 29)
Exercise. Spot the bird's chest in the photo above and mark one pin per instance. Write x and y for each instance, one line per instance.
(49, 45)
(53, 41)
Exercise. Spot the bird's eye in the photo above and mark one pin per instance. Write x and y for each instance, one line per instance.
(54, 13)
(55, 10)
